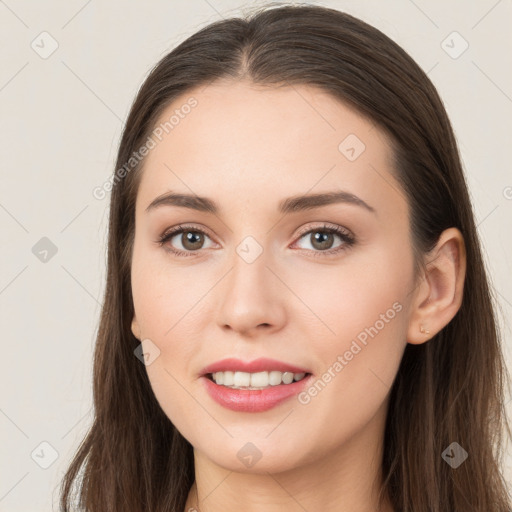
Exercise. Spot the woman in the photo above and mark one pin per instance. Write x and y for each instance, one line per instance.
(297, 315)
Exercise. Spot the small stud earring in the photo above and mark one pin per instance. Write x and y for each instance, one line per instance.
(424, 331)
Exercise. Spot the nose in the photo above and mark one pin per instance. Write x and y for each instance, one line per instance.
(252, 297)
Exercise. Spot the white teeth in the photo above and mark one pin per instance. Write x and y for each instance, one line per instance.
(259, 380)
(228, 378)
(274, 378)
(242, 379)
(287, 377)
(256, 380)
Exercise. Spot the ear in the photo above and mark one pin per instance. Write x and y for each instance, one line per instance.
(438, 296)
(135, 328)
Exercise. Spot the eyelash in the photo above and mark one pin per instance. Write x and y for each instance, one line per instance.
(344, 234)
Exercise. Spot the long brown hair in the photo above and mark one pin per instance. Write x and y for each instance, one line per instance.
(450, 389)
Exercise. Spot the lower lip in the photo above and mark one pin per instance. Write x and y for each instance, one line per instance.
(253, 400)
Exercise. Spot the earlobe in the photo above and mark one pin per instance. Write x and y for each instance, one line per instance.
(439, 294)
(135, 328)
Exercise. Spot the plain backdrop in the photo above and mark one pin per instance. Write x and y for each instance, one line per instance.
(69, 72)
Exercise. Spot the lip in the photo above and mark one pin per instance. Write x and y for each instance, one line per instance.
(262, 364)
(253, 400)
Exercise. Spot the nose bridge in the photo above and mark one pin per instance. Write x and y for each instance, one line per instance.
(250, 297)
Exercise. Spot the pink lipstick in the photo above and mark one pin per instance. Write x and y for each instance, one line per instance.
(254, 386)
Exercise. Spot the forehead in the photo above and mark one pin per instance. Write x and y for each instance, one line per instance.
(252, 142)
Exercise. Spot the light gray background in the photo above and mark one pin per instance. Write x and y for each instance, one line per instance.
(61, 119)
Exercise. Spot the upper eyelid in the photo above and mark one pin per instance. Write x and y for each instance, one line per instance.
(325, 226)
(180, 228)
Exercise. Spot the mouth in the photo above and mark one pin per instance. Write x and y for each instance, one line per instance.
(254, 399)
(254, 386)
(255, 381)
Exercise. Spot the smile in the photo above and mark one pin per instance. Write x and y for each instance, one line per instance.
(258, 380)
(254, 399)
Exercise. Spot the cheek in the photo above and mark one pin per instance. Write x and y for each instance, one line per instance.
(168, 309)
(164, 311)
(368, 289)
(363, 312)
(179, 399)
(165, 295)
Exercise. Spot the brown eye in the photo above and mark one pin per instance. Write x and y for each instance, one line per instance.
(192, 240)
(322, 240)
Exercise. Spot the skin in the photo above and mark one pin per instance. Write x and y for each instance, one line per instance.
(248, 147)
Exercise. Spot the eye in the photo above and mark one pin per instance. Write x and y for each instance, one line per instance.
(322, 239)
(190, 238)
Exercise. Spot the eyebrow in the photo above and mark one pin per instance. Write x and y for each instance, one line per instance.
(289, 205)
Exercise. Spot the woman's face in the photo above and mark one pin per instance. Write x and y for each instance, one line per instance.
(265, 275)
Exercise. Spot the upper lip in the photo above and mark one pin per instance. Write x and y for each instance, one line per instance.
(258, 365)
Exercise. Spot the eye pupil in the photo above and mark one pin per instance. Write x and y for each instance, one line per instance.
(192, 239)
(321, 238)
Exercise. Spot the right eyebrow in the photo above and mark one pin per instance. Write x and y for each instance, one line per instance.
(202, 204)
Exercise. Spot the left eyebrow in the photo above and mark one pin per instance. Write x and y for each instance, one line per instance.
(308, 202)
(289, 205)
